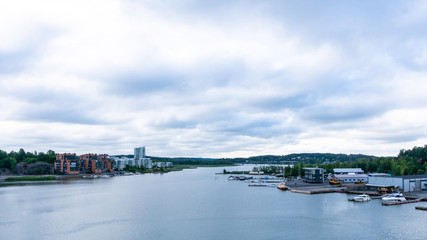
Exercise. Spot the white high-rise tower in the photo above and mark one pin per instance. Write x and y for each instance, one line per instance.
(139, 152)
(141, 159)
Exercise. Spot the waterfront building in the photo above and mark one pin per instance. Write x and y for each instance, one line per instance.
(66, 163)
(146, 162)
(408, 183)
(314, 175)
(341, 171)
(91, 163)
(107, 163)
(139, 152)
(352, 178)
(162, 164)
(141, 159)
(121, 162)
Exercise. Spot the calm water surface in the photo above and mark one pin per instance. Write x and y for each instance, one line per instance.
(195, 204)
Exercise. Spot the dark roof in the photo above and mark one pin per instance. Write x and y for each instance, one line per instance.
(413, 176)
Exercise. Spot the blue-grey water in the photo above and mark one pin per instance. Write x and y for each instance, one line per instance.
(195, 204)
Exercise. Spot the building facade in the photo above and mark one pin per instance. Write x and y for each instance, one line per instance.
(70, 163)
(91, 163)
(141, 159)
(66, 163)
(107, 162)
(139, 152)
(314, 175)
(162, 164)
(121, 162)
(408, 183)
(352, 178)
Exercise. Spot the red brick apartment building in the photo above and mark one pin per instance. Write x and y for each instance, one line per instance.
(90, 162)
(70, 163)
(66, 163)
(106, 162)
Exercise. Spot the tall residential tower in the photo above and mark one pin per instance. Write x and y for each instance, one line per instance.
(139, 152)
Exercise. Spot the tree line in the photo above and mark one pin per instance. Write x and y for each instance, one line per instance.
(11, 159)
(408, 162)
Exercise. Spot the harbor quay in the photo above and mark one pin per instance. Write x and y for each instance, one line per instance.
(392, 191)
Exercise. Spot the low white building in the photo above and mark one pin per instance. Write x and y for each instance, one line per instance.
(352, 178)
(342, 171)
(163, 164)
(146, 162)
(121, 162)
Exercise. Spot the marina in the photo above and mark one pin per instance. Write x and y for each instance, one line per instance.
(299, 186)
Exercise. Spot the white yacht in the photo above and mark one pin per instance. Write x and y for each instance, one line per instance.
(394, 197)
(362, 198)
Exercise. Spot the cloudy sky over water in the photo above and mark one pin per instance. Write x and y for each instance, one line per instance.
(213, 78)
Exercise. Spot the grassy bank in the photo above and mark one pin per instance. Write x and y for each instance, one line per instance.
(33, 178)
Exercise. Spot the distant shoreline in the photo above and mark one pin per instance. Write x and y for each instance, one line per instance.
(15, 178)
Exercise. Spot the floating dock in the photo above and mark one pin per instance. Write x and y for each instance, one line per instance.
(421, 208)
(316, 190)
(403, 202)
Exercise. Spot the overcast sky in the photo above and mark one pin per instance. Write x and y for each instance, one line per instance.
(213, 78)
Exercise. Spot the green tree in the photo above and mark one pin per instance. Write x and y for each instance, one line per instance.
(3, 154)
(9, 163)
(21, 155)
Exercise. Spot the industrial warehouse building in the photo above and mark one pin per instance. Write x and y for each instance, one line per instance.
(407, 183)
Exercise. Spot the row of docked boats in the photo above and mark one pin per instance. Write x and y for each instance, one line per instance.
(96, 176)
(390, 198)
(261, 182)
(241, 178)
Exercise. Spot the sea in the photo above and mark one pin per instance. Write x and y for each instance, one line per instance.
(194, 204)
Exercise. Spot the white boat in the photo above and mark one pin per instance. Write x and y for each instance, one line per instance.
(282, 186)
(394, 197)
(362, 198)
(231, 178)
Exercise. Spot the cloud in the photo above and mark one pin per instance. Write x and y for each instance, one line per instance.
(194, 78)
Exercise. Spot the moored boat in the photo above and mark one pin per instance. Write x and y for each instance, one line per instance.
(282, 186)
(362, 198)
(394, 197)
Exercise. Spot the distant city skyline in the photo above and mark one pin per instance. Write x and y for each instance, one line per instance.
(213, 79)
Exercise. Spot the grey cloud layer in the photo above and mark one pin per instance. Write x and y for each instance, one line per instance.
(223, 79)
